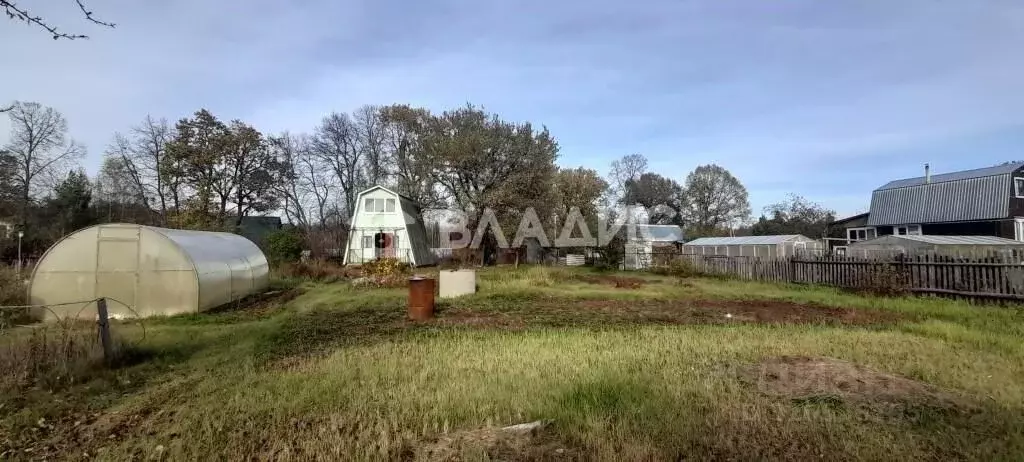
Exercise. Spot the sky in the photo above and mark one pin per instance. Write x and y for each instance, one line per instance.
(825, 99)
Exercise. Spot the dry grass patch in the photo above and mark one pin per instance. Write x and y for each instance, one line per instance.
(836, 383)
(493, 443)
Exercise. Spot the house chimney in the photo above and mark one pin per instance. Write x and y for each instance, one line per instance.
(927, 174)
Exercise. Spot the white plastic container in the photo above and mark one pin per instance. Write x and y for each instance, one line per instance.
(456, 283)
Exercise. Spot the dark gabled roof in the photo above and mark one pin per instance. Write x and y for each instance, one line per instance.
(954, 176)
(843, 221)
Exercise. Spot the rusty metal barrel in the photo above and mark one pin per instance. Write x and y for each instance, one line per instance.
(421, 298)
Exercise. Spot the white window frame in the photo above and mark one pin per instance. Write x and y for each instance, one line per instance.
(1018, 229)
(907, 230)
(1018, 187)
(870, 232)
(379, 205)
(367, 242)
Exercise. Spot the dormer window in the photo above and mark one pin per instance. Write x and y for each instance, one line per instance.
(1018, 187)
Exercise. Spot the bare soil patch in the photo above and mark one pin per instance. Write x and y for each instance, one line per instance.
(834, 382)
(620, 282)
(495, 444)
(731, 311)
(259, 304)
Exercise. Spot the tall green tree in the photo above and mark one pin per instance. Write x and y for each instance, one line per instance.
(713, 199)
(412, 167)
(197, 155)
(70, 203)
(795, 215)
(660, 195)
(8, 185)
(483, 162)
(251, 174)
(578, 187)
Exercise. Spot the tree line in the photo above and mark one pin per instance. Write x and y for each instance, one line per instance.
(202, 172)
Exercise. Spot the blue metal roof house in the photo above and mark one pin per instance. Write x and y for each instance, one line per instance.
(980, 202)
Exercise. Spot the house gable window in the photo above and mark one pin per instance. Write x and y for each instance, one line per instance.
(367, 242)
(861, 234)
(911, 230)
(1018, 187)
(371, 205)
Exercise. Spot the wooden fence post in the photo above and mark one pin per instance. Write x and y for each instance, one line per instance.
(792, 270)
(104, 326)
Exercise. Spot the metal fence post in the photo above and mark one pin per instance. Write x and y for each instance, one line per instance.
(104, 326)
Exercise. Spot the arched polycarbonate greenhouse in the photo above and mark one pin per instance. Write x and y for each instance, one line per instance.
(155, 271)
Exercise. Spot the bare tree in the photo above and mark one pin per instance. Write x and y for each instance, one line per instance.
(317, 185)
(40, 147)
(140, 158)
(17, 13)
(117, 193)
(336, 144)
(628, 168)
(370, 127)
(120, 171)
(286, 149)
(412, 168)
(148, 152)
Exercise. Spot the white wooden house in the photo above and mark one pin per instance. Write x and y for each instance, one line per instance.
(387, 224)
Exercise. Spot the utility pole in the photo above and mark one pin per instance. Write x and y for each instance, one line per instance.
(20, 235)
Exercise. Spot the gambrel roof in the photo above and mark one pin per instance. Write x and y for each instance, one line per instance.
(969, 195)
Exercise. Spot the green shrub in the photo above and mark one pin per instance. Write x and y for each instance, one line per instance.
(886, 279)
(679, 267)
(315, 270)
(611, 256)
(12, 293)
(387, 272)
(284, 245)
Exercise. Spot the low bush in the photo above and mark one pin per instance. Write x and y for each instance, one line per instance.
(316, 270)
(387, 272)
(51, 355)
(12, 293)
(679, 267)
(284, 246)
(886, 279)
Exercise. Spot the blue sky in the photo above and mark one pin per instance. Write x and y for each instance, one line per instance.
(827, 99)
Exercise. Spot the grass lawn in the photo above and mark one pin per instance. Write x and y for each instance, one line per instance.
(632, 367)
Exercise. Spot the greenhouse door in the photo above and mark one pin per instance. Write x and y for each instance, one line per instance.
(117, 269)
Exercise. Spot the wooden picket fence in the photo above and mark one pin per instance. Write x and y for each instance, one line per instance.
(990, 277)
